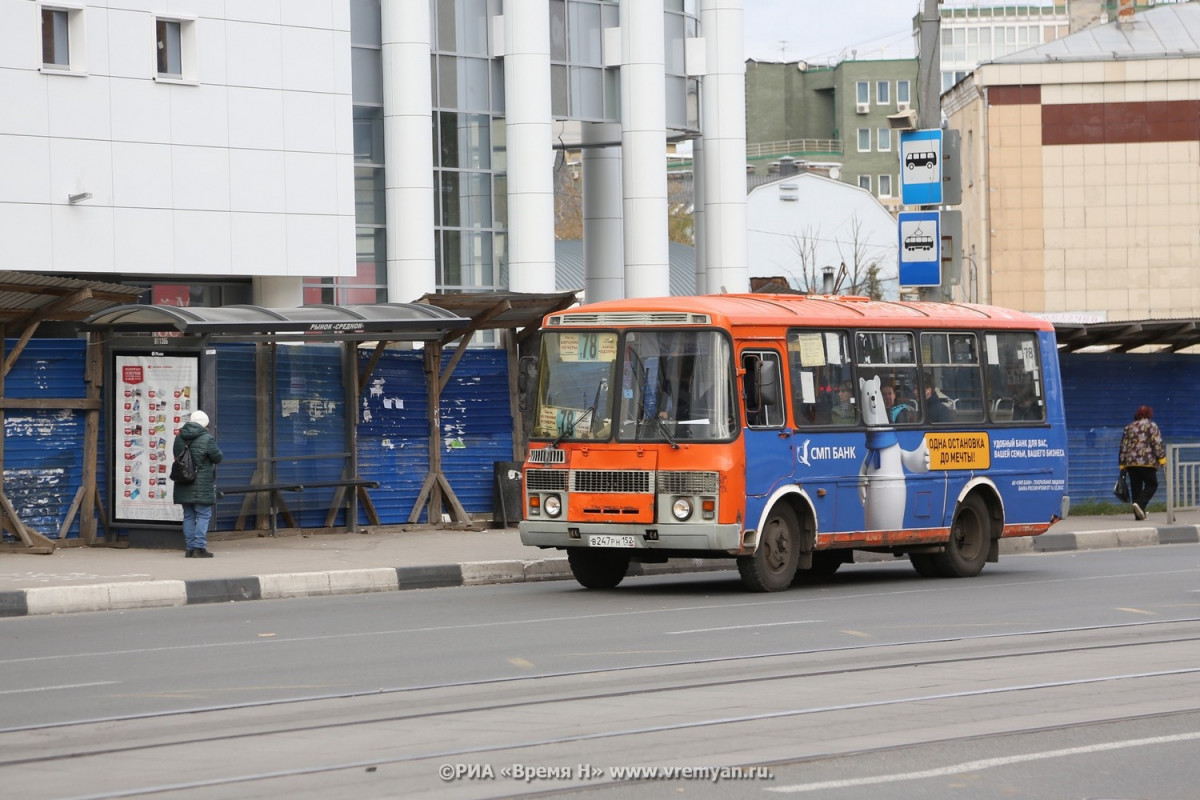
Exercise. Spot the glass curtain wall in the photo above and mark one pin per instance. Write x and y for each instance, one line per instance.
(369, 284)
(467, 91)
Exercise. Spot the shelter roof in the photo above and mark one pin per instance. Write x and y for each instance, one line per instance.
(501, 309)
(1168, 334)
(382, 321)
(30, 296)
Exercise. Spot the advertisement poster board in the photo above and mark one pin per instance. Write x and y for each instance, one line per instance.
(153, 397)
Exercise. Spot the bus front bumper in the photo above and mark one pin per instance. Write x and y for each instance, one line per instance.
(675, 537)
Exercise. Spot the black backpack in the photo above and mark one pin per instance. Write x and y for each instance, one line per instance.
(183, 470)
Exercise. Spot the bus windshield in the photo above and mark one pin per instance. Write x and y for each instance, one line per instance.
(573, 398)
(676, 384)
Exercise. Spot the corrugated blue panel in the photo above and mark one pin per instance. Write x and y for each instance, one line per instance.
(47, 368)
(308, 411)
(235, 426)
(43, 450)
(1102, 391)
(310, 425)
(476, 426)
(393, 430)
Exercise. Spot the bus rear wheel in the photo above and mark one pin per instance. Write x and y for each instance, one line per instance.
(773, 565)
(598, 569)
(970, 537)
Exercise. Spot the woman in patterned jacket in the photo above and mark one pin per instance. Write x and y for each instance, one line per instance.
(1141, 455)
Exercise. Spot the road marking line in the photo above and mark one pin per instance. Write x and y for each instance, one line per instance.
(742, 627)
(985, 763)
(56, 688)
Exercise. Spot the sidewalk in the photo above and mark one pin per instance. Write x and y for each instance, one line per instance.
(390, 558)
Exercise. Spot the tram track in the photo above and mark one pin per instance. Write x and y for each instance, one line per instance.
(544, 717)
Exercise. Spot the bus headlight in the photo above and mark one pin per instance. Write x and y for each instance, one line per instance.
(681, 508)
(552, 505)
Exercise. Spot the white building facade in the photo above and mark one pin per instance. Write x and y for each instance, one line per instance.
(349, 151)
(191, 142)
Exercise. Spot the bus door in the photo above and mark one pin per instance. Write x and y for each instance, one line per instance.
(768, 442)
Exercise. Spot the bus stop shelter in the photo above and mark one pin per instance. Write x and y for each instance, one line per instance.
(27, 302)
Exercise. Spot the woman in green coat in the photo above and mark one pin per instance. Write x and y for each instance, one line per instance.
(199, 497)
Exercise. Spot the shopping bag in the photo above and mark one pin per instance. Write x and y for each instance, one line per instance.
(1121, 488)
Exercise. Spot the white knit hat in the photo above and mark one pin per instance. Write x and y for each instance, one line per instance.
(200, 418)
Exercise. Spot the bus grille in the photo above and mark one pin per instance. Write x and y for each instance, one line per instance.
(546, 480)
(687, 482)
(548, 455)
(612, 481)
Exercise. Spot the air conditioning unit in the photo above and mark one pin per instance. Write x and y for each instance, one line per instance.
(902, 106)
(863, 108)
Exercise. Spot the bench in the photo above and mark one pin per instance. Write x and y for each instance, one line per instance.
(348, 489)
(277, 503)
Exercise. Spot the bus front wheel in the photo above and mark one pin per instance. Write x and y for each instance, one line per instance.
(773, 565)
(598, 569)
(970, 537)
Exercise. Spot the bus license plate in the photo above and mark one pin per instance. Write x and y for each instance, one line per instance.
(607, 540)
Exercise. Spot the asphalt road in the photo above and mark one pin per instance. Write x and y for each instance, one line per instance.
(1064, 675)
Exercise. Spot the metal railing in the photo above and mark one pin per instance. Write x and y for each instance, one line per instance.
(760, 149)
(1183, 479)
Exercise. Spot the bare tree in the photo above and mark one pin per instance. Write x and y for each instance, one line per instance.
(804, 245)
(859, 272)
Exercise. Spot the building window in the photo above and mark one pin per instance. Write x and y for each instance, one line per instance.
(863, 93)
(902, 93)
(885, 185)
(62, 38)
(883, 93)
(170, 61)
(175, 48)
(864, 182)
(864, 140)
(885, 140)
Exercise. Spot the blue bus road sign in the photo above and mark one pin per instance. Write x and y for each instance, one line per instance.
(920, 248)
(921, 167)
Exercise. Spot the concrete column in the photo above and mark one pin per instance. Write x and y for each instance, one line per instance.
(529, 141)
(278, 291)
(644, 149)
(408, 150)
(603, 231)
(698, 215)
(723, 123)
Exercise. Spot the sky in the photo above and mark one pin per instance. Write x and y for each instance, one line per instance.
(827, 31)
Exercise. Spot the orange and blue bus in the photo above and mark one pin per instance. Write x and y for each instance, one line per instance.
(788, 431)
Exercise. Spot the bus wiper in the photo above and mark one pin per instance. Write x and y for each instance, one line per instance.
(570, 429)
(588, 412)
(662, 426)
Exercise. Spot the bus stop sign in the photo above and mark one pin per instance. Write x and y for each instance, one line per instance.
(920, 248)
(921, 167)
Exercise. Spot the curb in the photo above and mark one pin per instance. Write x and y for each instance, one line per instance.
(165, 593)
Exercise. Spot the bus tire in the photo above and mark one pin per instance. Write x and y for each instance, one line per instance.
(970, 537)
(598, 569)
(926, 564)
(772, 566)
(824, 564)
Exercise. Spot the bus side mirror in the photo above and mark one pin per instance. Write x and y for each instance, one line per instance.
(527, 372)
(768, 383)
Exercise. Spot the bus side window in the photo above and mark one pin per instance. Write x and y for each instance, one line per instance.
(762, 390)
(1014, 378)
(821, 365)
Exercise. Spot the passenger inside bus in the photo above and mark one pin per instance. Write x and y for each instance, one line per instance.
(900, 409)
(935, 409)
(844, 411)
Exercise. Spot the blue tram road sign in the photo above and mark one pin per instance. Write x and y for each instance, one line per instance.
(921, 167)
(920, 248)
